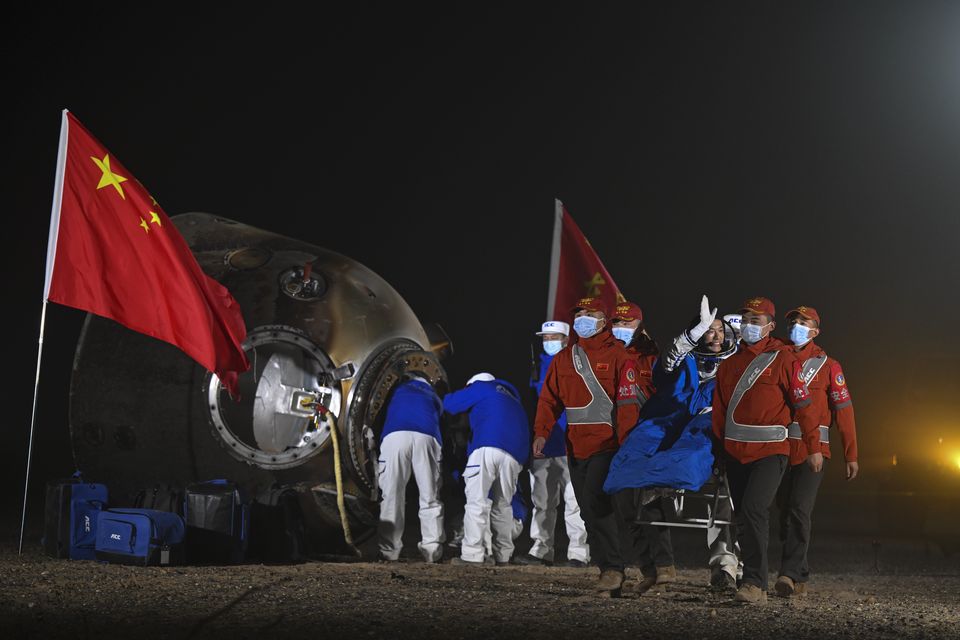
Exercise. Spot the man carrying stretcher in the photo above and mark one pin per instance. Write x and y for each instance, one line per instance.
(757, 396)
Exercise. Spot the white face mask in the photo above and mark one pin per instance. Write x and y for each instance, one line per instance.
(752, 333)
(799, 334)
(552, 347)
(623, 334)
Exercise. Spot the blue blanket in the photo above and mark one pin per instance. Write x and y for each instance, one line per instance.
(671, 445)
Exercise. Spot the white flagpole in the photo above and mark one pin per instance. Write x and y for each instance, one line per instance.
(57, 201)
(33, 415)
(555, 258)
(51, 254)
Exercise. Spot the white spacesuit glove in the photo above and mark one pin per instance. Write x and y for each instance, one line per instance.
(685, 342)
(706, 319)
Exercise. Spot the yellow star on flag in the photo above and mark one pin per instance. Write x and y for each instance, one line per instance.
(109, 177)
(593, 285)
(155, 219)
(143, 223)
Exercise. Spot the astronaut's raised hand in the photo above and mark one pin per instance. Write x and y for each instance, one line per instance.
(706, 319)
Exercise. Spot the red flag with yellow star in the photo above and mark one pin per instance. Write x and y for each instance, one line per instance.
(114, 252)
(575, 270)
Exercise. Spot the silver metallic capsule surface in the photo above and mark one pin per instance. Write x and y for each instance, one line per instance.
(322, 329)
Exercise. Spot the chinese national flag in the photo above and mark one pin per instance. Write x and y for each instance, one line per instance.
(575, 270)
(114, 252)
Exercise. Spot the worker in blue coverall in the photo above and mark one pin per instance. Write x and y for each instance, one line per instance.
(499, 446)
(410, 444)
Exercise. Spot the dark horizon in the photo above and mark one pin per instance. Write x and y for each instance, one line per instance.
(804, 153)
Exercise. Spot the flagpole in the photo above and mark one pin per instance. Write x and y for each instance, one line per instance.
(555, 257)
(51, 255)
(33, 416)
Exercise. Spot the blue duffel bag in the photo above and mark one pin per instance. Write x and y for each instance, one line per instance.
(140, 536)
(70, 517)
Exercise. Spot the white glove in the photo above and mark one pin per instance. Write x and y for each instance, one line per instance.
(706, 319)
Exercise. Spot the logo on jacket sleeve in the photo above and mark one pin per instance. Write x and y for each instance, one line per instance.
(798, 387)
(631, 376)
(839, 392)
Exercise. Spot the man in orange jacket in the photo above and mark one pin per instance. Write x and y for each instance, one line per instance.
(595, 381)
(627, 327)
(653, 544)
(831, 405)
(753, 403)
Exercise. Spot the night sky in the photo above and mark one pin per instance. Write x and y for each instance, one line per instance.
(808, 154)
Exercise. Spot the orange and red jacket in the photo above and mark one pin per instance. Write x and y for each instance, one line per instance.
(831, 402)
(772, 400)
(644, 383)
(617, 374)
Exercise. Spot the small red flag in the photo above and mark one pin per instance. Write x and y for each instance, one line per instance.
(113, 252)
(575, 270)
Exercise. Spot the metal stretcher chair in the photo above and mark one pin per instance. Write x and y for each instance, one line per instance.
(694, 509)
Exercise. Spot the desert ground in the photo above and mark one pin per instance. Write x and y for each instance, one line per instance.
(862, 588)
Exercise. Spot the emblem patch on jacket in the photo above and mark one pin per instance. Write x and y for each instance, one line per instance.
(603, 366)
(839, 392)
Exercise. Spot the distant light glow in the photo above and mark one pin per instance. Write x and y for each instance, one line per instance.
(894, 461)
(939, 440)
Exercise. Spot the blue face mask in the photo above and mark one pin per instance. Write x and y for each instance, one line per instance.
(799, 334)
(752, 333)
(623, 334)
(586, 326)
(552, 347)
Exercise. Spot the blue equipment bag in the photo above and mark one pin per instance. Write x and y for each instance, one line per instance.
(217, 515)
(140, 536)
(70, 517)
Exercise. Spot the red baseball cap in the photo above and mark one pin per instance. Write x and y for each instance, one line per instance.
(627, 311)
(590, 304)
(807, 312)
(759, 305)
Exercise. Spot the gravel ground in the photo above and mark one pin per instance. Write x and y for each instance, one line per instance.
(863, 590)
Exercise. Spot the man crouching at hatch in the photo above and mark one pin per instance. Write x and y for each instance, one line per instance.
(585, 379)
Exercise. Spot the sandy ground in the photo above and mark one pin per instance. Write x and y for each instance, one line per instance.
(892, 589)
